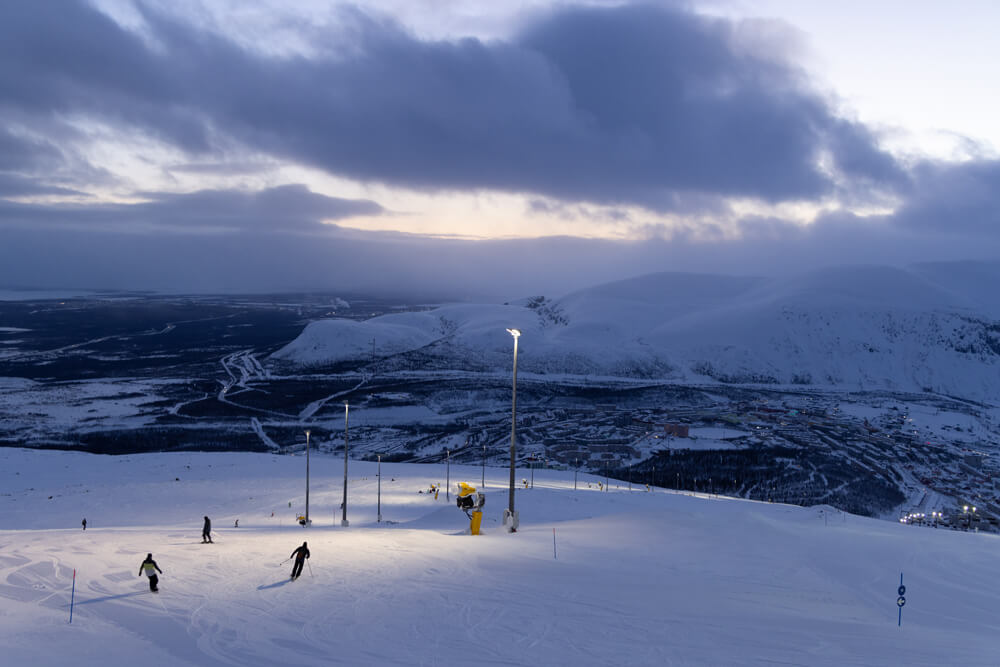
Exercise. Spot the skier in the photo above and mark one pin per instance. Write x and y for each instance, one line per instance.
(300, 556)
(84, 522)
(206, 531)
(150, 567)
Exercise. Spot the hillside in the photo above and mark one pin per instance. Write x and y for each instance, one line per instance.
(926, 328)
(592, 577)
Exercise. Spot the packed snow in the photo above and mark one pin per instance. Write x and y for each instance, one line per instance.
(920, 329)
(593, 576)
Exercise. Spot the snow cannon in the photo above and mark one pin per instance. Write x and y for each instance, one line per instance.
(471, 502)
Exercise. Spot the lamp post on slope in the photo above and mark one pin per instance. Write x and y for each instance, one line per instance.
(307, 478)
(343, 519)
(510, 517)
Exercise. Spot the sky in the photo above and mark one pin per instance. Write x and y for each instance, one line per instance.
(468, 148)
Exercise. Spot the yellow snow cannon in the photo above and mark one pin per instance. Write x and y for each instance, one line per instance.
(471, 502)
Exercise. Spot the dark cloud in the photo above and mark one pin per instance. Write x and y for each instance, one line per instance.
(68, 58)
(20, 153)
(31, 165)
(589, 110)
(13, 185)
(856, 153)
(630, 104)
(153, 246)
(955, 199)
(289, 208)
(275, 209)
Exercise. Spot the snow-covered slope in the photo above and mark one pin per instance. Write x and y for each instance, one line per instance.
(930, 327)
(591, 578)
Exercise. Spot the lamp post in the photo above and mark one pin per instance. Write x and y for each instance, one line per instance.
(511, 519)
(378, 473)
(343, 506)
(307, 477)
(968, 516)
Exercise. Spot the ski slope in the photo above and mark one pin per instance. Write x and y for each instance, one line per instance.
(592, 577)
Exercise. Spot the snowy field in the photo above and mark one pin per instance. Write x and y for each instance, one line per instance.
(591, 578)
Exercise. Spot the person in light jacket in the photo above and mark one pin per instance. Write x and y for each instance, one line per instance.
(150, 568)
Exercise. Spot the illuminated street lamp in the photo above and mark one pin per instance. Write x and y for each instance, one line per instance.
(969, 513)
(307, 478)
(510, 516)
(343, 519)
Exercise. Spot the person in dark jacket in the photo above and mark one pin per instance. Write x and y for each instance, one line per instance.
(84, 523)
(206, 531)
(300, 556)
(150, 568)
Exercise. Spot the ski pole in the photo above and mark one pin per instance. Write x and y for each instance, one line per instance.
(310, 568)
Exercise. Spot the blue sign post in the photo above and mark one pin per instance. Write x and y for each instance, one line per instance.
(72, 596)
(900, 601)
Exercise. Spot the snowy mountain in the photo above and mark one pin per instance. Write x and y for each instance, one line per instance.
(924, 328)
(592, 577)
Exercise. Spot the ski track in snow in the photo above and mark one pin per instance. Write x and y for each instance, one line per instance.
(315, 406)
(242, 367)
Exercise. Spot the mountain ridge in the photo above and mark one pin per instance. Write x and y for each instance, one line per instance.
(922, 328)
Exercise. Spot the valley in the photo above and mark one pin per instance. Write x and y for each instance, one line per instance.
(122, 374)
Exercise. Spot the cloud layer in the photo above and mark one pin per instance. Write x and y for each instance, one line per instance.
(652, 108)
(632, 104)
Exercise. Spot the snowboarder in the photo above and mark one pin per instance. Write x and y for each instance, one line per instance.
(84, 522)
(300, 556)
(236, 524)
(206, 531)
(150, 567)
